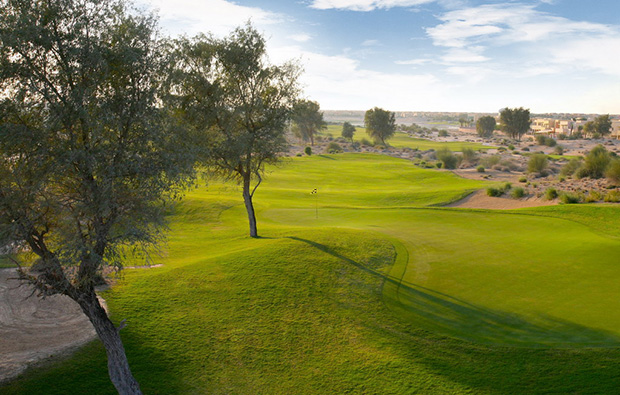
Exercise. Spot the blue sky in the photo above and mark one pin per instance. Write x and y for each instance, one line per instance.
(432, 55)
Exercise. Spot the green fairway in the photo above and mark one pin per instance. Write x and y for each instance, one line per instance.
(367, 288)
(402, 140)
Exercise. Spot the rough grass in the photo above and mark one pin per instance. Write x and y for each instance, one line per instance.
(374, 296)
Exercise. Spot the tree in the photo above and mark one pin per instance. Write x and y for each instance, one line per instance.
(602, 125)
(380, 124)
(238, 104)
(348, 131)
(515, 121)
(464, 120)
(485, 126)
(307, 120)
(85, 155)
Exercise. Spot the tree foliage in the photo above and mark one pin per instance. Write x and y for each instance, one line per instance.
(238, 105)
(485, 126)
(515, 121)
(307, 120)
(86, 155)
(348, 131)
(601, 126)
(380, 124)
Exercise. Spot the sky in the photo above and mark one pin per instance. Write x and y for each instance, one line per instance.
(549, 56)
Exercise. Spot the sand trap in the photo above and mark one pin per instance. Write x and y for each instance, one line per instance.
(480, 199)
(33, 329)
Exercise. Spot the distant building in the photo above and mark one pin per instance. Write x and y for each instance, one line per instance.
(615, 128)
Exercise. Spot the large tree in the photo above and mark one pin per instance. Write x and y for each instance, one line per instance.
(485, 126)
(515, 121)
(348, 131)
(85, 155)
(238, 104)
(307, 120)
(601, 126)
(380, 124)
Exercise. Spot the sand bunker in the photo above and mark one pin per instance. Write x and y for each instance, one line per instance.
(33, 329)
(480, 199)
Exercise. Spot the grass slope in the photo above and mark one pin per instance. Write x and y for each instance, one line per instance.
(310, 307)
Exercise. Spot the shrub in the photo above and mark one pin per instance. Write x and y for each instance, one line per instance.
(469, 155)
(490, 161)
(494, 192)
(537, 164)
(523, 179)
(365, 142)
(525, 149)
(517, 193)
(551, 193)
(355, 145)
(613, 172)
(571, 167)
(613, 196)
(593, 196)
(443, 133)
(507, 186)
(596, 163)
(299, 154)
(511, 147)
(449, 160)
(308, 151)
(570, 198)
(545, 140)
(333, 148)
(558, 150)
(480, 169)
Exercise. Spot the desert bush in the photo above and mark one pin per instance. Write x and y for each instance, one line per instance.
(365, 142)
(517, 193)
(525, 149)
(571, 167)
(448, 159)
(558, 150)
(333, 148)
(551, 193)
(469, 155)
(537, 164)
(308, 151)
(494, 192)
(613, 196)
(522, 179)
(545, 140)
(596, 163)
(570, 198)
(593, 196)
(355, 145)
(443, 133)
(510, 164)
(613, 172)
(507, 186)
(490, 161)
(511, 147)
(480, 169)
(299, 154)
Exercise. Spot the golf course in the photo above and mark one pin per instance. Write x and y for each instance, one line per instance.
(368, 286)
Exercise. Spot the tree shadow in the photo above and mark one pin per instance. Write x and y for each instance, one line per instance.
(459, 318)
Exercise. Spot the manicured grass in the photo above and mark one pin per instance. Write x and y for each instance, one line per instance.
(374, 296)
(402, 140)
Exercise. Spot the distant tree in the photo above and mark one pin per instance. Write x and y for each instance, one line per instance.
(348, 130)
(86, 157)
(602, 125)
(485, 126)
(515, 121)
(239, 103)
(307, 120)
(380, 124)
(464, 120)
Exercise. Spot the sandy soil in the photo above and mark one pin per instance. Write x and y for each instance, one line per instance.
(479, 199)
(33, 329)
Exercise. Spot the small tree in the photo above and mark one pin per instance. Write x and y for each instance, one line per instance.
(347, 131)
(537, 164)
(602, 125)
(515, 121)
(380, 124)
(595, 163)
(485, 126)
(85, 154)
(239, 104)
(307, 120)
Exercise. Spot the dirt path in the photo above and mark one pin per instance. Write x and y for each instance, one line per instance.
(33, 329)
(479, 199)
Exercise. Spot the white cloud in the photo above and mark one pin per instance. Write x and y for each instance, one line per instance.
(464, 55)
(301, 38)
(371, 43)
(414, 62)
(365, 5)
(215, 16)
(598, 53)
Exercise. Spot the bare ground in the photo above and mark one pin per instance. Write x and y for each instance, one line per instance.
(33, 329)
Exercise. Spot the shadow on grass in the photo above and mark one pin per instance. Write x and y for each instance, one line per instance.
(458, 318)
(326, 157)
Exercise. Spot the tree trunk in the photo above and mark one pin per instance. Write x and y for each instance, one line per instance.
(247, 198)
(118, 366)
